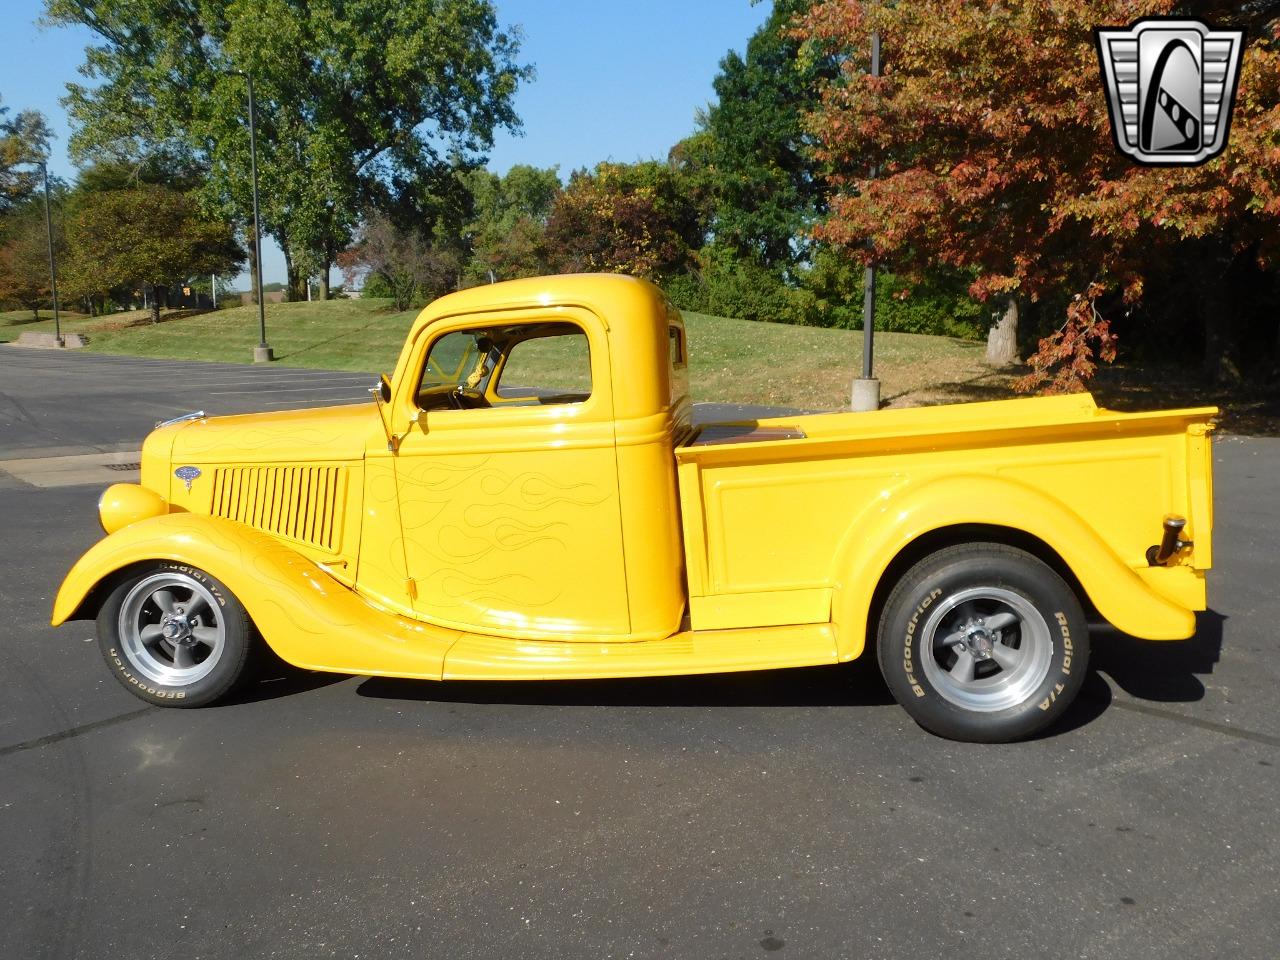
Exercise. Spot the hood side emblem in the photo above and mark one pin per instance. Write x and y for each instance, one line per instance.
(187, 474)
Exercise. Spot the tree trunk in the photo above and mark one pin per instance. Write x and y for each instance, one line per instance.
(328, 266)
(253, 270)
(1002, 340)
(293, 291)
(1219, 340)
(155, 304)
(1276, 358)
(1215, 316)
(1214, 345)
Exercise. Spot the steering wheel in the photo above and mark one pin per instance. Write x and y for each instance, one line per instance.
(466, 398)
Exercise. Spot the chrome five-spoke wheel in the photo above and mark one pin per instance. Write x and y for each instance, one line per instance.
(988, 648)
(170, 629)
(175, 635)
(983, 642)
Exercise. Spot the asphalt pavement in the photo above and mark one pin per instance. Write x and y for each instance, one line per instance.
(790, 813)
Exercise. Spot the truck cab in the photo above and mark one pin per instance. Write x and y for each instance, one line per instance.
(531, 461)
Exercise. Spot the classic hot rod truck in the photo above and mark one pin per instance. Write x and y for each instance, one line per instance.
(527, 497)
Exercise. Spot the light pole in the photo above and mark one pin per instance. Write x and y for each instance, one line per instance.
(261, 353)
(866, 389)
(53, 263)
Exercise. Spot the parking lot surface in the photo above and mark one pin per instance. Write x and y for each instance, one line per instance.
(791, 813)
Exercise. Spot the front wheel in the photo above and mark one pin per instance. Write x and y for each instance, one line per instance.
(174, 635)
(983, 642)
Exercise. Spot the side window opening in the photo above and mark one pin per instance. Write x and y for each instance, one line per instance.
(533, 364)
(551, 368)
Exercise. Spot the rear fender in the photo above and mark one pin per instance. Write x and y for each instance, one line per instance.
(308, 618)
(889, 526)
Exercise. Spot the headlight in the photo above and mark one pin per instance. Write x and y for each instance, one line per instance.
(124, 503)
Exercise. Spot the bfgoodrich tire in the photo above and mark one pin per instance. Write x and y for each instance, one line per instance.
(174, 636)
(984, 643)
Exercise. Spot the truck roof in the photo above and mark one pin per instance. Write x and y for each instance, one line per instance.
(622, 302)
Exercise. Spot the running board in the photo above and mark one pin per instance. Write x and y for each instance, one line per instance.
(474, 657)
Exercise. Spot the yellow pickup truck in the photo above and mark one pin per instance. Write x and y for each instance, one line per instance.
(528, 497)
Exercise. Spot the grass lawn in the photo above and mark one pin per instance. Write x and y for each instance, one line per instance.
(26, 320)
(733, 361)
(740, 361)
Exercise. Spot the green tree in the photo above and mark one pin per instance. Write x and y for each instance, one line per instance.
(24, 141)
(144, 237)
(355, 98)
(511, 212)
(85, 285)
(24, 255)
(752, 149)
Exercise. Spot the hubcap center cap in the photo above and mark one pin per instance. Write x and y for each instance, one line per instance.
(175, 629)
(979, 642)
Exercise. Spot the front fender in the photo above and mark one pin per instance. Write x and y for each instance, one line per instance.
(886, 528)
(307, 617)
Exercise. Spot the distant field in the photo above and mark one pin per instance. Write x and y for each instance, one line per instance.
(731, 361)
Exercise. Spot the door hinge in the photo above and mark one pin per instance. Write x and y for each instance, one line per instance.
(411, 588)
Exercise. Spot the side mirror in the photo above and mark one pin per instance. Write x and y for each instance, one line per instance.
(381, 392)
(382, 397)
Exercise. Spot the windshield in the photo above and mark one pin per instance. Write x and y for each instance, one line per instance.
(455, 359)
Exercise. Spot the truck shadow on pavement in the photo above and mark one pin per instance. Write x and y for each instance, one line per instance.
(857, 684)
(275, 680)
(1162, 671)
(854, 684)
(1148, 670)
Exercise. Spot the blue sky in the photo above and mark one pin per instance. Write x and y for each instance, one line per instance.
(615, 81)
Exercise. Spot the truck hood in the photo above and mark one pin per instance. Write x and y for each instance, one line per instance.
(293, 436)
(296, 475)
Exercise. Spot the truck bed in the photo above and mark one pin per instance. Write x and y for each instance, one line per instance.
(771, 509)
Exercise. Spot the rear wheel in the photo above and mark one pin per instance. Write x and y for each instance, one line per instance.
(983, 642)
(174, 635)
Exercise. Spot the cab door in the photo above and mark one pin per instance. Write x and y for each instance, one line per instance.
(508, 479)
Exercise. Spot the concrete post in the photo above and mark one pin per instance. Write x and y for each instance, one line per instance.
(865, 394)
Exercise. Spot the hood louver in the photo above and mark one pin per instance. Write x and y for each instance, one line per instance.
(296, 503)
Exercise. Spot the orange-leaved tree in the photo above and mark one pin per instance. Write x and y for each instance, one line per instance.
(990, 143)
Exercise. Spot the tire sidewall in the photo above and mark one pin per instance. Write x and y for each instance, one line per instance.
(901, 648)
(225, 674)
